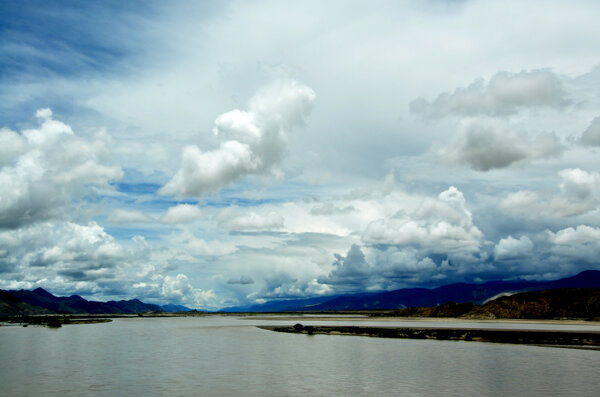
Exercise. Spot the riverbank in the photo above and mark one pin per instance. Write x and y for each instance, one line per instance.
(52, 321)
(393, 319)
(577, 339)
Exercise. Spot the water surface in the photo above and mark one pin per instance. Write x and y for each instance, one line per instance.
(227, 356)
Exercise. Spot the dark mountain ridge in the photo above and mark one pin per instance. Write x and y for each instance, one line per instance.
(40, 301)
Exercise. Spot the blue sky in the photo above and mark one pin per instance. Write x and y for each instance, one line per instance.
(215, 154)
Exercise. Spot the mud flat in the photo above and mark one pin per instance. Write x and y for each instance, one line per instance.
(554, 338)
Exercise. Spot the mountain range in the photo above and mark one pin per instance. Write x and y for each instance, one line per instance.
(40, 301)
(420, 297)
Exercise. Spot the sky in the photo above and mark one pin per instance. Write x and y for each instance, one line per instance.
(217, 154)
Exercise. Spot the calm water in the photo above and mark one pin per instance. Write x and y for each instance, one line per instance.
(225, 356)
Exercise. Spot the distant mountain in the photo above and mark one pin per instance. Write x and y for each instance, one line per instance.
(40, 301)
(135, 306)
(580, 303)
(170, 308)
(423, 297)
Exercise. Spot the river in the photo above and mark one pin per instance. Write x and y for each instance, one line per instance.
(229, 356)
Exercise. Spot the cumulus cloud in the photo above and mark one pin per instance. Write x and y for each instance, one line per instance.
(582, 234)
(485, 144)
(579, 194)
(253, 140)
(74, 252)
(181, 213)
(46, 168)
(573, 245)
(176, 289)
(121, 216)
(404, 266)
(591, 136)
(392, 268)
(506, 93)
(282, 287)
(233, 219)
(441, 225)
(510, 248)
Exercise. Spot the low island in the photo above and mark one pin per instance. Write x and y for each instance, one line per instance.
(557, 338)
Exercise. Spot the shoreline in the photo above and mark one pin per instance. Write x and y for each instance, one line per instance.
(363, 318)
(551, 338)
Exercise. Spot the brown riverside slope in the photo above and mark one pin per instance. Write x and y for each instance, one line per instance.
(573, 303)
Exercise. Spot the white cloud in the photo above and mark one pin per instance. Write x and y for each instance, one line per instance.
(284, 288)
(12, 145)
(202, 172)
(582, 234)
(181, 213)
(72, 251)
(510, 248)
(121, 216)
(575, 245)
(254, 140)
(47, 169)
(506, 93)
(233, 219)
(485, 144)
(177, 290)
(442, 225)
(579, 194)
(44, 114)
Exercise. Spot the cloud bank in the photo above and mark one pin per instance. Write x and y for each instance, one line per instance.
(505, 94)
